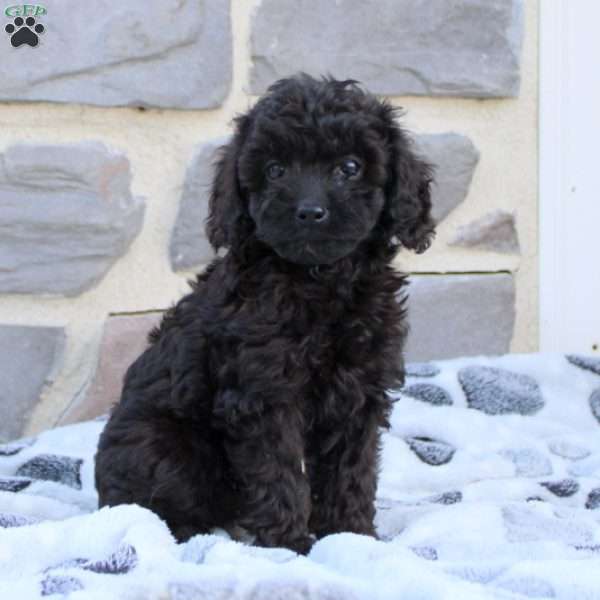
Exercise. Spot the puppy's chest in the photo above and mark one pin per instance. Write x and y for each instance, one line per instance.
(340, 363)
(327, 357)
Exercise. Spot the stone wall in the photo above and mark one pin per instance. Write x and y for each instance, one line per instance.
(108, 126)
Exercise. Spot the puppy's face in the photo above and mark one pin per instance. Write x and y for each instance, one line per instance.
(315, 198)
(314, 169)
(317, 167)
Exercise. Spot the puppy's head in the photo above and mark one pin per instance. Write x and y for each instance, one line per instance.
(315, 168)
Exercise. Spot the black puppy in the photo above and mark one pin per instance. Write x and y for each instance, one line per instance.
(259, 402)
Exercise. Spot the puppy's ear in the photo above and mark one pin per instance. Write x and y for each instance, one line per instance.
(226, 207)
(408, 194)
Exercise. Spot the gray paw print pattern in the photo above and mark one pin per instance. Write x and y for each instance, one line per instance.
(585, 362)
(49, 467)
(60, 585)
(497, 391)
(427, 392)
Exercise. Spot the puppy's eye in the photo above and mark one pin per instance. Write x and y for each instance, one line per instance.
(348, 168)
(274, 170)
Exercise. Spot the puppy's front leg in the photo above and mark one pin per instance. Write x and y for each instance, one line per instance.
(265, 448)
(344, 470)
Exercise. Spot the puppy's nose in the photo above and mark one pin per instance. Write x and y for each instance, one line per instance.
(312, 214)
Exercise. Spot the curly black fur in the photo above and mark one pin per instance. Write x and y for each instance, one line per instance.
(261, 396)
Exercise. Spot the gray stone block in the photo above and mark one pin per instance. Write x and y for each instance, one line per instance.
(463, 48)
(189, 247)
(66, 215)
(29, 357)
(455, 158)
(459, 315)
(158, 53)
(123, 340)
(495, 231)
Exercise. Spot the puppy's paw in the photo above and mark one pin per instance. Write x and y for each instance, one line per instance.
(183, 533)
(303, 544)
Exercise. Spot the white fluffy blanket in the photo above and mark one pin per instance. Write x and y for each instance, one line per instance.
(490, 488)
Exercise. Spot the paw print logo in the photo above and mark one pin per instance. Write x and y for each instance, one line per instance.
(24, 32)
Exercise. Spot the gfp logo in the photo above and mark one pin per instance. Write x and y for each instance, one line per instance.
(25, 10)
(24, 29)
